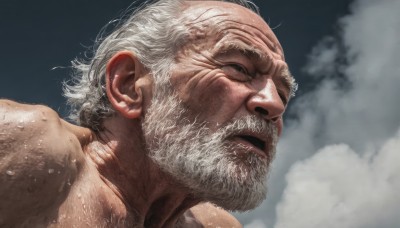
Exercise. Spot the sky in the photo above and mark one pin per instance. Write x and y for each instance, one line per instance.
(338, 159)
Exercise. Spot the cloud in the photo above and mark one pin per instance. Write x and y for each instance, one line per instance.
(337, 187)
(344, 142)
(353, 181)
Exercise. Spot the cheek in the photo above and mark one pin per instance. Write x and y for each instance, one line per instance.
(207, 96)
(217, 100)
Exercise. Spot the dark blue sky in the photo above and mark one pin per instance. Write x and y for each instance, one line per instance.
(37, 36)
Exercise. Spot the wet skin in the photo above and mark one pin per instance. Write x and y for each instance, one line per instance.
(233, 67)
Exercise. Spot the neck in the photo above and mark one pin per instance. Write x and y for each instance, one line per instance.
(147, 194)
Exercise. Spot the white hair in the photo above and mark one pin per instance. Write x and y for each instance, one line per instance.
(154, 32)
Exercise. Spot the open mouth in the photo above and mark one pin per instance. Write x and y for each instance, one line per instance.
(260, 144)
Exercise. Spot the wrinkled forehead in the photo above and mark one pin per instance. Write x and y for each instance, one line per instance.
(213, 18)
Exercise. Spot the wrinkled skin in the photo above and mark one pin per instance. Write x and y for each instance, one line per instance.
(207, 75)
(105, 179)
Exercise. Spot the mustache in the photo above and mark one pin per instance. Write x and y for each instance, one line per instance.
(251, 124)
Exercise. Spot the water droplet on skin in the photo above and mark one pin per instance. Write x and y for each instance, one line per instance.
(73, 160)
(44, 118)
(10, 172)
(26, 157)
(51, 171)
(20, 127)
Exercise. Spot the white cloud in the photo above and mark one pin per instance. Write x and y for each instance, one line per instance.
(321, 58)
(339, 188)
(344, 146)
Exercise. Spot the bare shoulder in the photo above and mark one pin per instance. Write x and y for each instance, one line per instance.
(19, 120)
(210, 215)
(36, 128)
(39, 158)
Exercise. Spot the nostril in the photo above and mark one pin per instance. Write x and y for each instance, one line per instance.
(261, 111)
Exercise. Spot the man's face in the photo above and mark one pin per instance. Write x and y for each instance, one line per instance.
(216, 129)
(233, 66)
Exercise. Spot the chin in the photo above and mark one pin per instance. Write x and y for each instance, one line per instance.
(239, 200)
(235, 184)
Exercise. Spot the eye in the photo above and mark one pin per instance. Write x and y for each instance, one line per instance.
(239, 68)
(237, 72)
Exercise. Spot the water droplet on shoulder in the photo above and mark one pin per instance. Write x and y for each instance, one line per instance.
(10, 172)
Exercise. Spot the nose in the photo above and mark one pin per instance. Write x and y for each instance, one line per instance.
(266, 103)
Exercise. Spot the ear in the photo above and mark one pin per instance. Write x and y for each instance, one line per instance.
(122, 73)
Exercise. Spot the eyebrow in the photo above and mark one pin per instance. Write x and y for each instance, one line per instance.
(285, 76)
(289, 82)
(243, 48)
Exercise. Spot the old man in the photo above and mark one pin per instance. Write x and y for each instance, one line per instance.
(178, 114)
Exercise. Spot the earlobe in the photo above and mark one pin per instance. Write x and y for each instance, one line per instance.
(123, 71)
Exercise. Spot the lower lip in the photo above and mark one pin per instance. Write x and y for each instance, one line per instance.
(251, 146)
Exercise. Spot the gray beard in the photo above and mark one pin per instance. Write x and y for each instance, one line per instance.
(206, 162)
